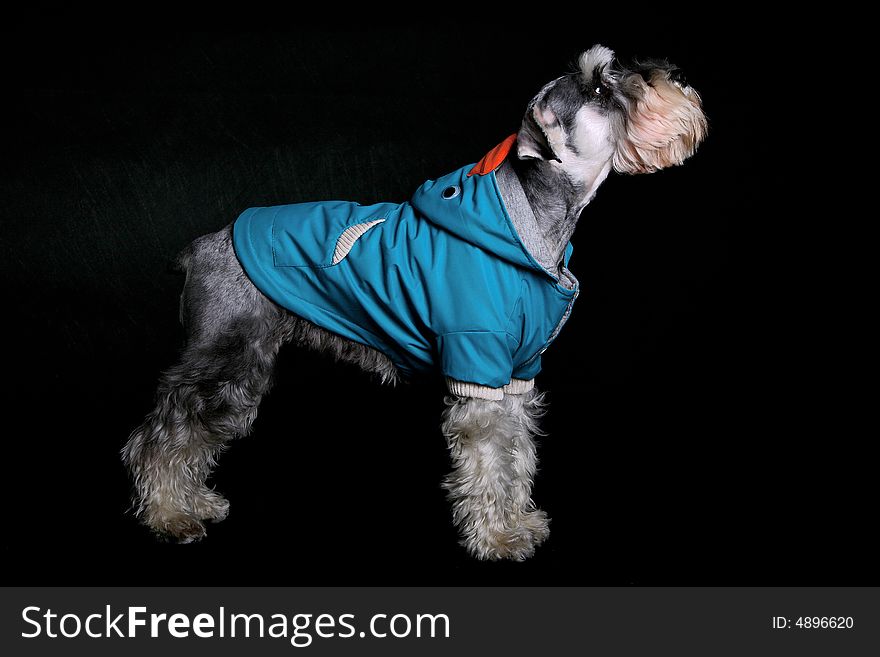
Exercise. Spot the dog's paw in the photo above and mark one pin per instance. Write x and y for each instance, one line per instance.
(179, 526)
(538, 524)
(516, 544)
(209, 505)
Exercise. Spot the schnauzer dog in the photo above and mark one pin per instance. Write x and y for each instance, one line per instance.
(468, 279)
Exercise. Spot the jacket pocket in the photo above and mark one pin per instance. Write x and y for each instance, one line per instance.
(348, 238)
(318, 235)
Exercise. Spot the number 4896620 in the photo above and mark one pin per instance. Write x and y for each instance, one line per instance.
(825, 622)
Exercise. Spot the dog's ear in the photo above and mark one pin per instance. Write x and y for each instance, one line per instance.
(540, 136)
(664, 122)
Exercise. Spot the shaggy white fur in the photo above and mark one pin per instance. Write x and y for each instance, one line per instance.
(492, 447)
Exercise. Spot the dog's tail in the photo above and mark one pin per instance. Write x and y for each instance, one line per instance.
(182, 259)
(180, 264)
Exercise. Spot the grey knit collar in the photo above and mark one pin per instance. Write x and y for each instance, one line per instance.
(526, 224)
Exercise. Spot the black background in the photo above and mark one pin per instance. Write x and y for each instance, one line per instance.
(695, 436)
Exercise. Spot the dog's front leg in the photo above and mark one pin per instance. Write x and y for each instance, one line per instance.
(493, 455)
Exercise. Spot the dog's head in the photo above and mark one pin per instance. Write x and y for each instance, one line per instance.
(637, 118)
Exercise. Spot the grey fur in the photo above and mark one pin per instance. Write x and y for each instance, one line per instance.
(574, 130)
(233, 334)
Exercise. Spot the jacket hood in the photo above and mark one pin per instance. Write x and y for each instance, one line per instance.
(471, 208)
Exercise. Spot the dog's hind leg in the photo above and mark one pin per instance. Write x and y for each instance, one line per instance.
(211, 396)
(493, 454)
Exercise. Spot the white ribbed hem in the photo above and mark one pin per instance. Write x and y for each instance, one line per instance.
(519, 386)
(465, 389)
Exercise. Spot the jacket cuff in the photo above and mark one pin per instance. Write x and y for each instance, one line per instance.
(465, 389)
(519, 386)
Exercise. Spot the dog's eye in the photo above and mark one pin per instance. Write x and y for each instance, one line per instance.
(600, 90)
(677, 76)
